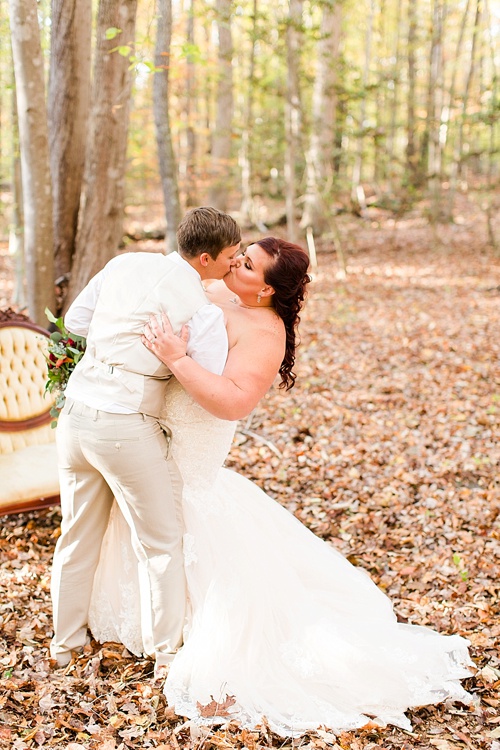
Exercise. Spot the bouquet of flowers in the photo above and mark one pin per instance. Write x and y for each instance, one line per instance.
(64, 351)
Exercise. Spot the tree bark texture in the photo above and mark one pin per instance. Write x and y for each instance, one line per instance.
(396, 80)
(248, 217)
(319, 155)
(16, 234)
(190, 170)
(435, 108)
(456, 166)
(220, 175)
(33, 137)
(68, 110)
(292, 113)
(490, 207)
(168, 165)
(357, 191)
(381, 94)
(411, 131)
(450, 105)
(100, 225)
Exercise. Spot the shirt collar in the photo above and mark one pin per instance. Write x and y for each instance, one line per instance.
(180, 261)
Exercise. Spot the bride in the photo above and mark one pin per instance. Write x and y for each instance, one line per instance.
(280, 627)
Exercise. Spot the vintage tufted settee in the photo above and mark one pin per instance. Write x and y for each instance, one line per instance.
(28, 464)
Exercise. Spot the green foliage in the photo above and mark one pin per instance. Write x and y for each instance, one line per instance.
(459, 564)
(112, 32)
(139, 63)
(64, 352)
(371, 98)
(192, 53)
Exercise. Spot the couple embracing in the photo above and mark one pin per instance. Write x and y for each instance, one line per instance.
(165, 551)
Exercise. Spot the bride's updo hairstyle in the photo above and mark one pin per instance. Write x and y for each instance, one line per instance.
(288, 276)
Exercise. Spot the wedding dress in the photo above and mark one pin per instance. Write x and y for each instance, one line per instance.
(281, 627)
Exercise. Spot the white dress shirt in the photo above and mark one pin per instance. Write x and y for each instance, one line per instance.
(207, 342)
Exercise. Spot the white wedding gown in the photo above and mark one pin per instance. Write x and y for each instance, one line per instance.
(280, 627)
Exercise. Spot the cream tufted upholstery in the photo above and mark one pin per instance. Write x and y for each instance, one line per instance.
(28, 464)
(22, 374)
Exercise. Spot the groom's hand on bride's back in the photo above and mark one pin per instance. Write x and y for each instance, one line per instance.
(163, 342)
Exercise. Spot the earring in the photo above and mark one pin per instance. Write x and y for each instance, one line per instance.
(258, 299)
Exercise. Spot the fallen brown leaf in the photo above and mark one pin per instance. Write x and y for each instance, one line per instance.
(216, 708)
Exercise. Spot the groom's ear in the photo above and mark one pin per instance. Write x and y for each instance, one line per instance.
(204, 259)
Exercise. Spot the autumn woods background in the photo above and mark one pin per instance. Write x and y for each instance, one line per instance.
(294, 112)
(367, 130)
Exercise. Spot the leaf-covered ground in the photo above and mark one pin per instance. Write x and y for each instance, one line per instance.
(387, 447)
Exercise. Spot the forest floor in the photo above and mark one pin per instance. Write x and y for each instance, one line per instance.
(388, 447)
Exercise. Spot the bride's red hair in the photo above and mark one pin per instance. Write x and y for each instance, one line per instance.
(288, 276)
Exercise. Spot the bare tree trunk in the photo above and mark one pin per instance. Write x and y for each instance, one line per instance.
(292, 113)
(338, 152)
(168, 166)
(220, 177)
(381, 95)
(248, 217)
(2, 93)
(68, 110)
(16, 233)
(468, 84)
(207, 93)
(33, 136)
(412, 160)
(459, 142)
(396, 80)
(492, 150)
(319, 160)
(435, 108)
(449, 107)
(101, 219)
(190, 158)
(357, 191)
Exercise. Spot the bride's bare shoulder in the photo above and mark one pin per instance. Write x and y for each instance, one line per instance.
(259, 325)
(274, 325)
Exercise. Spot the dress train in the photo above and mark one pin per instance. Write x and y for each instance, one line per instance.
(281, 627)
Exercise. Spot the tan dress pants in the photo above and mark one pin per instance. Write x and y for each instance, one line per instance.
(125, 456)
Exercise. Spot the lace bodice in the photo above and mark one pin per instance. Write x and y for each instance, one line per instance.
(200, 442)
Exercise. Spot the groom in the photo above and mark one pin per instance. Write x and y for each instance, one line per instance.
(110, 442)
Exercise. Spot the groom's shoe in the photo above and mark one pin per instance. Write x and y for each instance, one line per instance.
(63, 658)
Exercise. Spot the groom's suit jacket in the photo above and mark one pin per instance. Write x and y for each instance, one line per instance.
(116, 363)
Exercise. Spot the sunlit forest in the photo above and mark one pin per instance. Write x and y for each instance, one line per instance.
(367, 132)
(283, 113)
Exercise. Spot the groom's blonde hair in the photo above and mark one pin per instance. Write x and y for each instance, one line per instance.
(206, 230)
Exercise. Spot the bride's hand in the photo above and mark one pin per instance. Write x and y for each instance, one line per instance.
(162, 341)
